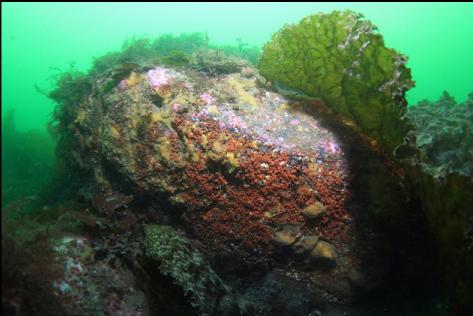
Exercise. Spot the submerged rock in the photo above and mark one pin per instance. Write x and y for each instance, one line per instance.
(237, 153)
(241, 172)
(187, 267)
(238, 163)
(323, 251)
(96, 287)
(285, 237)
(314, 210)
(305, 244)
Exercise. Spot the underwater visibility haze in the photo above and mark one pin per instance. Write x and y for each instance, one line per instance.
(237, 159)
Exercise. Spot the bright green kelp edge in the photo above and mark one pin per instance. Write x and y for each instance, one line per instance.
(339, 58)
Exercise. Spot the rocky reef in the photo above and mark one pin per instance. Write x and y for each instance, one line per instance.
(257, 183)
(230, 190)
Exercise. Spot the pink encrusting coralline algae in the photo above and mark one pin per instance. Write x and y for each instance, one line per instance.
(175, 107)
(157, 77)
(207, 97)
(122, 85)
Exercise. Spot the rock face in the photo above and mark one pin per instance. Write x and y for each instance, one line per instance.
(262, 188)
(234, 163)
(224, 152)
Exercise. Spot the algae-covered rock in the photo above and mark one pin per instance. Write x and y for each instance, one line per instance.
(93, 286)
(314, 210)
(215, 62)
(323, 251)
(237, 162)
(223, 149)
(305, 244)
(340, 58)
(186, 266)
(285, 238)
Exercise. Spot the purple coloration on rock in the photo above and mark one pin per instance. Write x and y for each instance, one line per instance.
(157, 77)
(207, 97)
(122, 85)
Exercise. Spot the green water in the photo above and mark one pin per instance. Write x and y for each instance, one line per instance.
(39, 39)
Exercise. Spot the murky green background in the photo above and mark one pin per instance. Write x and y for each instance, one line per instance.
(39, 39)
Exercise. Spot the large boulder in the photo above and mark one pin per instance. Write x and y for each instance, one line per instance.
(233, 164)
(257, 187)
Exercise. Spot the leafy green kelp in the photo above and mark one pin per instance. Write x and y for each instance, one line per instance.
(340, 58)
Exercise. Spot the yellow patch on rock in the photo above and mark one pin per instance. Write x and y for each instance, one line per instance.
(217, 152)
(305, 244)
(114, 131)
(161, 117)
(244, 96)
(314, 210)
(213, 110)
(163, 148)
(323, 250)
(283, 106)
(232, 160)
(133, 79)
(313, 167)
(81, 117)
(284, 238)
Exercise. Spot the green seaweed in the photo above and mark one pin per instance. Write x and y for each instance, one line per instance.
(340, 58)
(444, 134)
(176, 58)
(186, 266)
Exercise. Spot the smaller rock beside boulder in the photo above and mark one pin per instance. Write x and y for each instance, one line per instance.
(287, 236)
(314, 210)
(312, 248)
(323, 252)
(305, 244)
